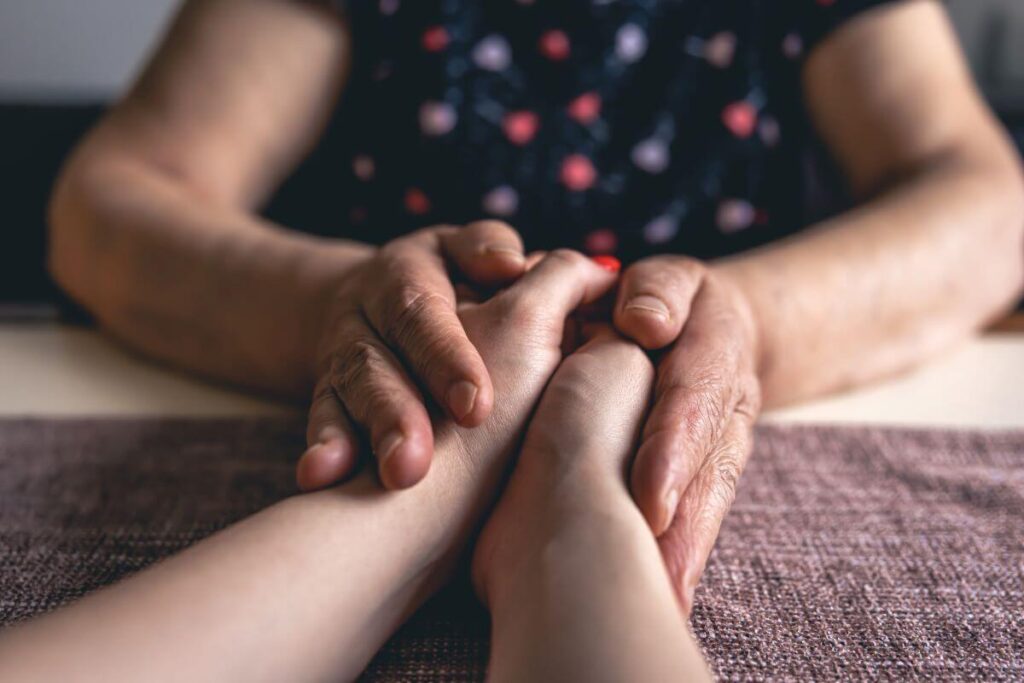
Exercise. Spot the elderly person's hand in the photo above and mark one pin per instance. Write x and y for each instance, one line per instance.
(697, 438)
(338, 570)
(392, 328)
(519, 333)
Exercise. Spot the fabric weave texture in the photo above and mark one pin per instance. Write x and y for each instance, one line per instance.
(850, 553)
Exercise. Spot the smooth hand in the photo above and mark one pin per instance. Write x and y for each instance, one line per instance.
(392, 327)
(697, 437)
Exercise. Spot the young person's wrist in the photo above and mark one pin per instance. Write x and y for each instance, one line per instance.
(550, 532)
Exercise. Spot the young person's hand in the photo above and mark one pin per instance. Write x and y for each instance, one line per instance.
(567, 565)
(522, 333)
(311, 587)
(574, 458)
(697, 438)
(392, 327)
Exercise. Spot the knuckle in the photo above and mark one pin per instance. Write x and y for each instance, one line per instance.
(369, 387)
(686, 265)
(615, 358)
(522, 309)
(407, 309)
(694, 268)
(637, 361)
(323, 394)
(699, 406)
(437, 355)
(443, 230)
(726, 469)
(388, 253)
(567, 257)
(353, 365)
(322, 390)
(667, 270)
(422, 235)
(489, 227)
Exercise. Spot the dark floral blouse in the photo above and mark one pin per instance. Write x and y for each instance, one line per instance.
(625, 127)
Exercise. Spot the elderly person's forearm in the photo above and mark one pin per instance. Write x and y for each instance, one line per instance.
(883, 288)
(937, 248)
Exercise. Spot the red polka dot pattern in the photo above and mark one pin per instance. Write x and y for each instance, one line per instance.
(435, 39)
(554, 45)
(521, 126)
(578, 172)
(621, 125)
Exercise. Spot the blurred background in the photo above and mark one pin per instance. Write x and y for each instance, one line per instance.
(62, 61)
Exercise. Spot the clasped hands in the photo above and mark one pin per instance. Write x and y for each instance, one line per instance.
(402, 339)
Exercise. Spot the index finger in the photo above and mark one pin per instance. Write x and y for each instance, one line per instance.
(560, 282)
(486, 252)
(415, 313)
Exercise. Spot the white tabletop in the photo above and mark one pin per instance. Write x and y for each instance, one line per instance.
(52, 370)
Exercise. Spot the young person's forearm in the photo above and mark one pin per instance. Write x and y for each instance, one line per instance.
(200, 285)
(306, 590)
(567, 564)
(881, 288)
(590, 598)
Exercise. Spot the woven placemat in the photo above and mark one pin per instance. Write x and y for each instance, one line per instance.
(850, 552)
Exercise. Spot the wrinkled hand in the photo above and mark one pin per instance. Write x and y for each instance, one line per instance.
(697, 438)
(392, 328)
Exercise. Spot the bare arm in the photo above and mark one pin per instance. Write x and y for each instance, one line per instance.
(937, 248)
(151, 222)
(153, 228)
(568, 567)
(309, 589)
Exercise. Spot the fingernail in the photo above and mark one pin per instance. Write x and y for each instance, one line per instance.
(510, 253)
(323, 449)
(647, 305)
(388, 445)
(609, 263)
(461, 399)
(669, 510)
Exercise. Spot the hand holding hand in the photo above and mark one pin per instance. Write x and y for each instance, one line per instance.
(697, 438)
(393, 327)
(566, 564)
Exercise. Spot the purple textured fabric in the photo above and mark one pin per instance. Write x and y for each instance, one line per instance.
(850, 552)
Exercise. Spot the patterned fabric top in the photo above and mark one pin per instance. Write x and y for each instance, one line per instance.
(615, 126)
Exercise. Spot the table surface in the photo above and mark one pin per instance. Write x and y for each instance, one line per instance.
(57, 370)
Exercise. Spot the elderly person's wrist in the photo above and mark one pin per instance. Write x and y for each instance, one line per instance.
(734, 277)
(324, 272)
